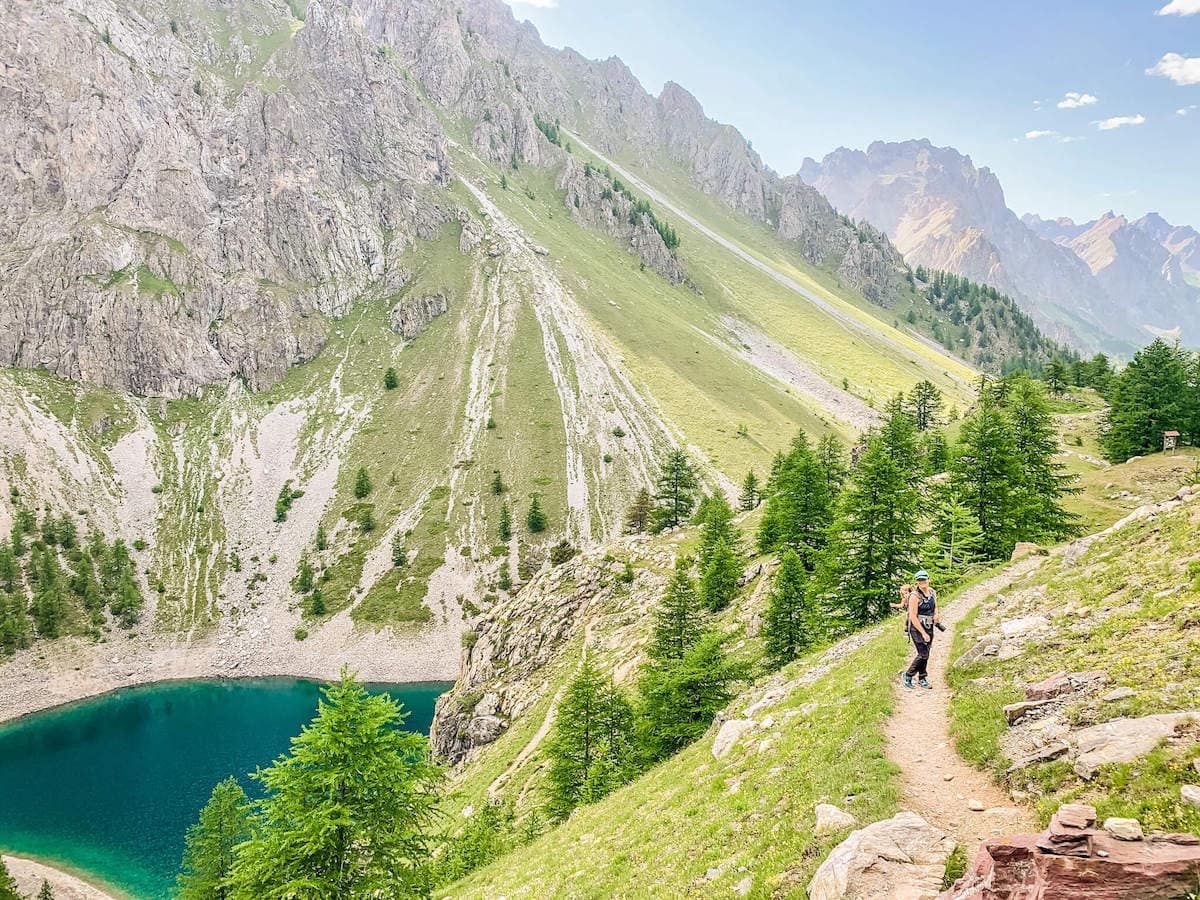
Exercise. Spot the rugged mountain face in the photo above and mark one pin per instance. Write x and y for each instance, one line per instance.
(204, 192)
(1103, 289)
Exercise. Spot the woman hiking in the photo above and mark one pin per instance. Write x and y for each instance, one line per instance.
(922, 619)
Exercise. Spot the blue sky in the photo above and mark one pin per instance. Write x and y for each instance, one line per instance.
(991, 79)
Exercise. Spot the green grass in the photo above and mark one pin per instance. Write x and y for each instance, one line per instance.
(1140, 595)
(662, 832)
(398, 596)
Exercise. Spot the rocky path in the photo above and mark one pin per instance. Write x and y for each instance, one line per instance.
(935, 782)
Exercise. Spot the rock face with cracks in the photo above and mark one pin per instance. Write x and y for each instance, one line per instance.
(901, 857)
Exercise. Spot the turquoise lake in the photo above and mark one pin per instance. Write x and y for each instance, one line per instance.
(109, 786)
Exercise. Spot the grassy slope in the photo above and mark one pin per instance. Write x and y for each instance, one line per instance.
(1140, 590)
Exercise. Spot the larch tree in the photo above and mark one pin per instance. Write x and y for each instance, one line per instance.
(675, 493)
(791, 621)
(224, 823)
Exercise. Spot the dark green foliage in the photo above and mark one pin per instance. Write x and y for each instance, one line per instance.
(347, 811)
(719, 580)
(679, 697)
(925, 405)
(549, 129)
(1042, 480)
(563, 551)
(874, 535)
(46, 892)
(322, 541)
(399, 551)
(791, 622)
(497, 484)
(954, 544)
(490, 832)
(504, 580)
(591, 750)
(390, 381)
(797, 511)
(535, 519)
(715, 517)
(366, 520)
(637, 519)
(678, 617)
(304, 577)
(1158, 391)
(751, 495)
(224, 823)
(985, 473)
(8, 884)
(316, 604)
(505, 529)
(626, 575)
(935, 452)
(283, 502)
(675, 493)
(362, 483)
(1055, 376)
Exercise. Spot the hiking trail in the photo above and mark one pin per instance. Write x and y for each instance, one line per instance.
(935, 782)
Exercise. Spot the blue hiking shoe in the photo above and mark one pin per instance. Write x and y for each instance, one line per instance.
(908, 681)
(924, 682)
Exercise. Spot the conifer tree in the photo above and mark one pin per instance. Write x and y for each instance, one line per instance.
(874, 536)
(362, 483)
(637, 519)
(1055, 376)
(676, 491)
(791, 622)
(592, 747)
(678, 617)
(366, 520)
(715, 527)
(399, 550)
(925, 405)
(497, 484)
(46, 892)
(679, 697)
(389, 378)
(347, 811)
(797, 511)
(535, 519)
(1042, 480)
(750, 492)
(985, 473)
(49, 598)
(322, 541)
(1151, 395)
(955, 542)
(8, 884)
(832, 457)
(935, 452)
(304, 577)
(505, 529)
(719, 580)
(224, 823)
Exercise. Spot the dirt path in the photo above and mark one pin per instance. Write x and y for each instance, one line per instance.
(935, 782)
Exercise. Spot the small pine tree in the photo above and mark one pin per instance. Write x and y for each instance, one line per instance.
(304, 578)
(925, 405)
(504, 581)
(390, 381)
(678, 617)
(591, 751)
(362, 483)
(505, 523)
(719, 582)
(399, 551)
(954, 544)
(366, 520)
(47, 892)
(750, 492)
(791, 621)
(1055, 376)
(637, 519)
(497, 484)
(8, 884)
(316, 604)
(224, 823)
(535, 519)
(675, 494)
(716, 527)
(322, 541)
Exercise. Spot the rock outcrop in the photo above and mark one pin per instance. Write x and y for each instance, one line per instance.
(412, 315)
(900, 857)
(180, 208)
(1073, 860)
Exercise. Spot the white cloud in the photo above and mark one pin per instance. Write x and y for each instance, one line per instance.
(1037, 104)
(1074, 100)
(1180, 8)
(1180, 69)
(1119, 121)
(1034, 135)
(1185, 110)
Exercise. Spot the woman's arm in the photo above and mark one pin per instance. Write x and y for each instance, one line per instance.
(913, 618)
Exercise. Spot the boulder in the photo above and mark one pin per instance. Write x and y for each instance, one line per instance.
(1118, 694)
(903, 857)
(1045, 753)
(1124, 740)
(1015, 712)
(1124, 829)
(1024, 549)
(1057, 684)
(728, 736)
(830, 818)
(1021, 868)
(1190, 794)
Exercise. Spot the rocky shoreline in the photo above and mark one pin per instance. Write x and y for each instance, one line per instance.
(30, 873)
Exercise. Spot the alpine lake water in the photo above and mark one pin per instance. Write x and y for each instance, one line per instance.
(107, 787)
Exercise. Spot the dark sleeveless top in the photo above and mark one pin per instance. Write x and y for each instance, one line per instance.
(926, 607)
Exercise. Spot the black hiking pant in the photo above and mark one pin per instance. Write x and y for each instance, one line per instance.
(920, 664)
